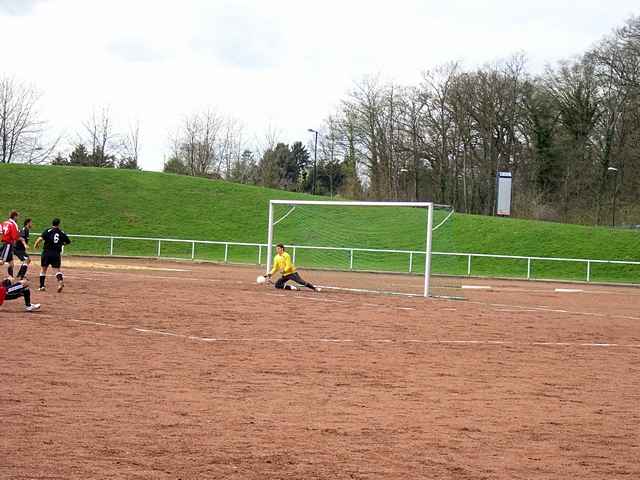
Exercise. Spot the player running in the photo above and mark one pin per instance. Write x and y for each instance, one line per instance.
(20, 248)
(54, 239)
(11, 291)
(10, 234)
(282, 263)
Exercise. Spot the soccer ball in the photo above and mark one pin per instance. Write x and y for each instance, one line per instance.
(260, 280)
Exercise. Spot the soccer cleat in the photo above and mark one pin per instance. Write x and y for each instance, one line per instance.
(33, 307)
(318, 289)
(60, 286)
(293, 287)
(42, 289)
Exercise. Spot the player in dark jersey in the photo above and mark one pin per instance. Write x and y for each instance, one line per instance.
(11, 291)
(54, 239)
(20, 248)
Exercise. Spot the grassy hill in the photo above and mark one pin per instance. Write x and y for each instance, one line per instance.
(130, 203)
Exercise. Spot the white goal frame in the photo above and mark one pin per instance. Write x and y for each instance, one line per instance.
(429, 225)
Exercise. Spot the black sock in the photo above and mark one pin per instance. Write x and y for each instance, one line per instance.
(59, 276)
(10, 270)
(42, 277)
(27, 296)
(23, 270)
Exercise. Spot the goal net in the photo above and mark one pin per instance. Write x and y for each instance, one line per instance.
(358, 246)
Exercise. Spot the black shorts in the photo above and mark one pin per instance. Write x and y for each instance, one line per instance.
(295, 276)
(21, 254)
(50, 259)
(6, 252)
(15, 291)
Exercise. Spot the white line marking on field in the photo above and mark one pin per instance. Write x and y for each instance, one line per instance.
(100, 324)
(316, 299)
(513, 310)
(140, 275)
(476, 287)
(344, 302)
(342, 340)
(569, 290)
(158, 332)
(110, 266)
(364, 290)
(240, 282)
(543, 308)
(519, 307)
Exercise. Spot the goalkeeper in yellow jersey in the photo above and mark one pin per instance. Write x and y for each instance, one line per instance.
(282, 264)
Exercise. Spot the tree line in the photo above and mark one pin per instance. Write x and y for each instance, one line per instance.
(211, 145)
(570, 137)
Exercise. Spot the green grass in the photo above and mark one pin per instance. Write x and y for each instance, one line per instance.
(147, 204)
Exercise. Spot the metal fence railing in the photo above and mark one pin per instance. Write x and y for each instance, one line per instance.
(475, 264)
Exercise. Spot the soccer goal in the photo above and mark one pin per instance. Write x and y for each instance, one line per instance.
(358, 246)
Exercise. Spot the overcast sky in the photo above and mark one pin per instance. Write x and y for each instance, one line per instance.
(282, 65)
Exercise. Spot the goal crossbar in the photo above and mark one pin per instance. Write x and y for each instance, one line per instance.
(429, 206)
(353, 204)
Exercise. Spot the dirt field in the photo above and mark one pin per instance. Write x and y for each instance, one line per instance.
(185, 371)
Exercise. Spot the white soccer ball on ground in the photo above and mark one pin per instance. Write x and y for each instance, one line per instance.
(260, 279)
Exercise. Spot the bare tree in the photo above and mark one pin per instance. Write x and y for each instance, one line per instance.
(268, 141)
(244, 169)
(230, 146)
(130, 147)
(412, 118)
(102, 139)
(560, 134)
(21, 132)
(574, 88)
(199, 144)
(367, 107)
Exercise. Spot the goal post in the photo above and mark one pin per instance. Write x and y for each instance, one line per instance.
(331, 234)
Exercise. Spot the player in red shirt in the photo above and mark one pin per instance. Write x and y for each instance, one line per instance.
(11, 291)
(10, 235)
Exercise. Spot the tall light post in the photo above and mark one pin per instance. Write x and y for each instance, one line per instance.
(614, 170)
(403, 172)
(315, 159)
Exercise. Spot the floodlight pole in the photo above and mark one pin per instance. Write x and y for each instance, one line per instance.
(615, 190)
(403, 171)
(315, 159)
